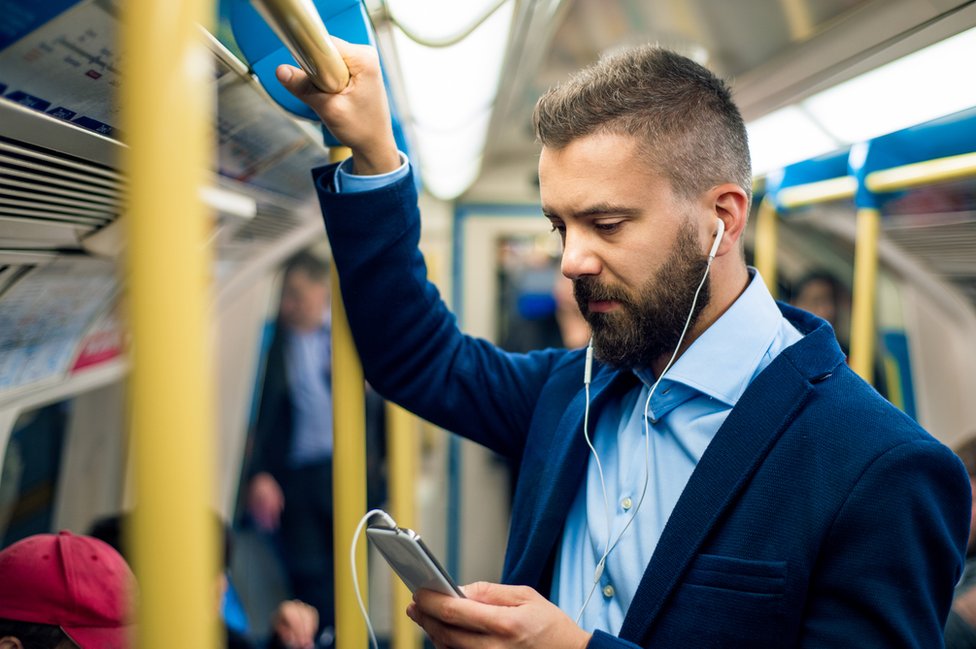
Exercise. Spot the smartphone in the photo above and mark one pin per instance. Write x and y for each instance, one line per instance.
(411, 560)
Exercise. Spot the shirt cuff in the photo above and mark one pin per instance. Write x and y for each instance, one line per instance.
(347, 182)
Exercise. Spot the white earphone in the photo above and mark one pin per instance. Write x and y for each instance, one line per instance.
(718, 239)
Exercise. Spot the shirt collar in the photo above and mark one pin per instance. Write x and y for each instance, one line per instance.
(722, 360)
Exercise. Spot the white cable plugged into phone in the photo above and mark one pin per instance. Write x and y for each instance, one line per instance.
(352, 563)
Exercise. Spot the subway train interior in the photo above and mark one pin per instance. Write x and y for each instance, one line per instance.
(155, 180)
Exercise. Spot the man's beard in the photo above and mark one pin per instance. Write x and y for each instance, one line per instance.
(648, 325)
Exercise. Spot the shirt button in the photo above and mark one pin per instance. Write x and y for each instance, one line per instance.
(626, 503)
(608, 591)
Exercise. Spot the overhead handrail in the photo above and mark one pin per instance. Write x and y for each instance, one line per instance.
(822, 191)
(938, 170)
(299, 26)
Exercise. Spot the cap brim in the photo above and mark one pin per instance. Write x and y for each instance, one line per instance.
(89, 637)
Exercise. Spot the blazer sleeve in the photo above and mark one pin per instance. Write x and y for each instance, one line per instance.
(411, 348)
(885, 575)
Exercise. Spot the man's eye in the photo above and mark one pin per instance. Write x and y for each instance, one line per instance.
(558, 227)
(608, 228)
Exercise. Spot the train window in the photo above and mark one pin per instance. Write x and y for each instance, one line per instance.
(29, 475)
(527, 275)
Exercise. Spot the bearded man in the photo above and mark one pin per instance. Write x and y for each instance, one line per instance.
(718, 477)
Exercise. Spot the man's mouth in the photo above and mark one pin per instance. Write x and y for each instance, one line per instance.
(602, 306)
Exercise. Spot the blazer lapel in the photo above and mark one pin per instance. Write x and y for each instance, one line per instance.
(561, 477)
(739, 446)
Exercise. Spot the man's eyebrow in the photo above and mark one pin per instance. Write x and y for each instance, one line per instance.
(597, 209)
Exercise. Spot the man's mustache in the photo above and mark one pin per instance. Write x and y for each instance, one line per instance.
(588, 289)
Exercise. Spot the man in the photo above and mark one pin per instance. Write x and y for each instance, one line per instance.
(750, 491)
(291, 474)
(61, 591)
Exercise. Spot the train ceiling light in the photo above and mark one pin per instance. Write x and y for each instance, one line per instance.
(450, 85)
(922, 86)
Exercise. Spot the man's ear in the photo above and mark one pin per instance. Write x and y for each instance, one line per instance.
(730, 203)
(10, 642)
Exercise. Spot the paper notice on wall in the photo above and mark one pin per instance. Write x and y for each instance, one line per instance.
(45, 315)
(69, 67)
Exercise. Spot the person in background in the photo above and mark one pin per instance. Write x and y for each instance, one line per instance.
(820, 293)
(960, 630)
(293, 623)
(289, 491)
(62, 591)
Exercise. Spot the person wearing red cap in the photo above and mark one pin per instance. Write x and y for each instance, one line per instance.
(61, 591)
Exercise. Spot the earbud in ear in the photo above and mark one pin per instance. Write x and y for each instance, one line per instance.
(719, 232)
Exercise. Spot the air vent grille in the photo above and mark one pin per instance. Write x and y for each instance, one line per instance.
(51, 200)
(947, 246)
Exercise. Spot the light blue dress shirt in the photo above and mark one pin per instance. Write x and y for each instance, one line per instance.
(687, 409)
(308, 369)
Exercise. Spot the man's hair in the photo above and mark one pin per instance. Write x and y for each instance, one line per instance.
(967, 453)
(314, 267)
(682, 116)
(36, 636)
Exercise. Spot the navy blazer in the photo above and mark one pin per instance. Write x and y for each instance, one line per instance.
(819, 515)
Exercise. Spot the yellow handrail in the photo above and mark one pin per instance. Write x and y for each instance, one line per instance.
(822, 191)
(403, 450)
(865, 289)
(767, 235)
(348, 465)
(166, 114)
(921, 173)
(299, 26)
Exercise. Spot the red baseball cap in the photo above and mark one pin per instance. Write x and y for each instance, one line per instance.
(75, 582)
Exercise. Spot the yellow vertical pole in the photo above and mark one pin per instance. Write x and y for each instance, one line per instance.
(348, 465)
(767, 233)
(403, 450)
(865, 289)
(166, 111)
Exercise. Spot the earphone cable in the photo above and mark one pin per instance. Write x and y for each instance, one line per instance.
(601, 564)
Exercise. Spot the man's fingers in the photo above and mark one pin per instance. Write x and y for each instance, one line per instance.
(448, 635)
(295, 81)
(467, 614)
(498, 594)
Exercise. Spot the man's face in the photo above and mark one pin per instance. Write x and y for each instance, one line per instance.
(632, 247)
(303, 301)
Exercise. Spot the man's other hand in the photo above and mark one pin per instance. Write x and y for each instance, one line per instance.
(495, 616)
(295, 623)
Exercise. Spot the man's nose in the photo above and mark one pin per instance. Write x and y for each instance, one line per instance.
(579, 258)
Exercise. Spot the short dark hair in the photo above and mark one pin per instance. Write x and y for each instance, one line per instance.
(36, 636)
(682, 116)
(314, 267)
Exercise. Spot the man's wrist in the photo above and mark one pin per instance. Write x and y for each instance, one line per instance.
(376, 162)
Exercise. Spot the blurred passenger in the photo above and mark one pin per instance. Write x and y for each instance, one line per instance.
(960, 631)
(290, 488)
(820, 293)
(788, 505)
(62, 591)
(293, 624)
(573, 328)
